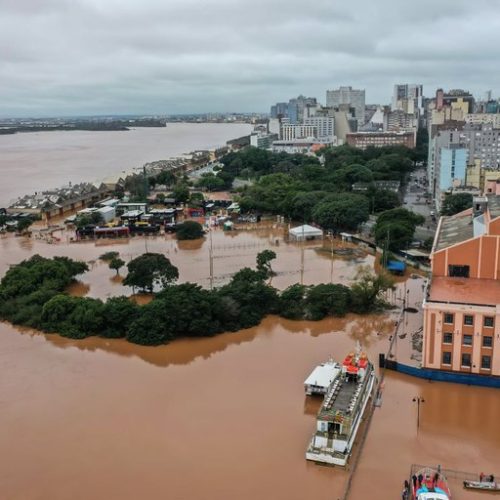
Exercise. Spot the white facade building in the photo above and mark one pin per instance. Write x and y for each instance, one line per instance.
(290, 132)
(324, 125)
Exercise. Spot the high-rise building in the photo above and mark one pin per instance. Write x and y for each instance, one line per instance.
(408, 97)
(352, 97)
(279, 110)
(450, 152)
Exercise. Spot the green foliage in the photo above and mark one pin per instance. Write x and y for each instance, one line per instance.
(181, 192)
(244, 302)
(264, 259)
(345, 211)
(189, 230)
(383, 199)
(292, 302)
(83, 220)
(366, 291)
(24, 223)
(166, 177)
(456, 203)
(116, 263)
(150, 270)
(211, 182)
(398, 226)
(118, 314)
(327, 300)
(32, 294)
(109, 256)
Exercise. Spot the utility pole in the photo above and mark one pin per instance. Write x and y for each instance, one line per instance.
(302, 257)
(418, 400)
(331, 258)
(211, 261)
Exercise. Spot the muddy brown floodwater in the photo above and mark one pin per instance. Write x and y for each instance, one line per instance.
(216, 418)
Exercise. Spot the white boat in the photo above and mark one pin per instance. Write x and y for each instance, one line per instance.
(340, 414)
(428, 484)
(321, 378)
(482, 485)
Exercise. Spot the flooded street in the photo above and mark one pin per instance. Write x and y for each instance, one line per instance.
(223, 417)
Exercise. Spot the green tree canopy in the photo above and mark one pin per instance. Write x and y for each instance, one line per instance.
(455, 203)
(264, 259)
(367, 290)
(116, 263)
(345, 211)
(150, 270)
(181, 192)
(396, 227)
(189, 230)
(327, 300)
(211, 182)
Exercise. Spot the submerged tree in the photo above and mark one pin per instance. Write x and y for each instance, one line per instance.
(149, 270)
(116, 263)
(264, 259)
(367, 290)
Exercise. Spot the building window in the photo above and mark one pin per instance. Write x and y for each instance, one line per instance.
(446, 358)
(466, 360)
(489, 321)
(447, 338)
(458, 271)
(467, 340)
(487, 341)
(448, 318)
(468, 320)
(486, 362)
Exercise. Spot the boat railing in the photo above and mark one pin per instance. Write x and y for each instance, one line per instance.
(451, 473)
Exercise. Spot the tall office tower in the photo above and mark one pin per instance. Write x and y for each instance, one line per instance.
(347, 95)
(408, 97)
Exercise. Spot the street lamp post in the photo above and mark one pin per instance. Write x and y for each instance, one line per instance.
(418, 400)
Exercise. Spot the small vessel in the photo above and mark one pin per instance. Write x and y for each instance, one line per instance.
(321, 378)
(428, 484)
(486, 484)
(343, 407)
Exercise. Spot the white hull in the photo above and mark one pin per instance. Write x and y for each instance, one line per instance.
(327, 455)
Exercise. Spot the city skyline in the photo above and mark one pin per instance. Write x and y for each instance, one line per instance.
(155, 57)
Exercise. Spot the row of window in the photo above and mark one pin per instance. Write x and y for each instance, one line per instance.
(466, 361)
(467, 339)
(488, 321)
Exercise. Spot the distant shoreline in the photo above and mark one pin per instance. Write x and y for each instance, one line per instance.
(90, 126)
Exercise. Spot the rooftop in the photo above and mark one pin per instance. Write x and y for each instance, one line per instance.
(464, 291)
(454, 229)
(457, 228)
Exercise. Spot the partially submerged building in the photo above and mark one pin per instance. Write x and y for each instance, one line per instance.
(462, 304)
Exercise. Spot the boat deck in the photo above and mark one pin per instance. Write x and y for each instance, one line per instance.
(343, 398)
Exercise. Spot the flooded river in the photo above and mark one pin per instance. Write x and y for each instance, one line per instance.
(35, 161)
(216, 418)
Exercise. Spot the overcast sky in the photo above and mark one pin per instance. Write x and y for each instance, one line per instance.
(182, 56)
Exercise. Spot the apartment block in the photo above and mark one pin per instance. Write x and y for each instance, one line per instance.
(462, 304)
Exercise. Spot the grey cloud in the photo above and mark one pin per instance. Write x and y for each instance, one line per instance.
(164, 56)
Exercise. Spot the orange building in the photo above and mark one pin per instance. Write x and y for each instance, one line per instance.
(462, 303)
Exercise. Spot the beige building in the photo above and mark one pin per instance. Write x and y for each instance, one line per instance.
(462, 304)
(480, 177)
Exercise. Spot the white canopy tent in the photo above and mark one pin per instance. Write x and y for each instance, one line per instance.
(305, 232)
